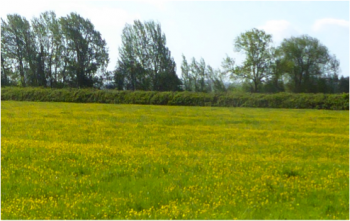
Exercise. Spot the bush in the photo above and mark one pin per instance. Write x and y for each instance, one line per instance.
(278, 100)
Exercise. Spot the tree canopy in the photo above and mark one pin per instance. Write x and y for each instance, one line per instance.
(308, 60)
(256, 45)
(50, 51)
(199, 77)
(68, 51)
(87, 50)
(145, 61)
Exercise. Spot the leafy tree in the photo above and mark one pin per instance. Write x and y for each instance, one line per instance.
(49, 46)
(200, 77)
(17, 48)
(217, 78)
(277, 70)
(194, 75)
(308, 60)
(86, 51)
(145, 61)
(256, 45)
(186, 76)
(131, 77)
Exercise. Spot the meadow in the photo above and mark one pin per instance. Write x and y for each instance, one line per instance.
(106, 161)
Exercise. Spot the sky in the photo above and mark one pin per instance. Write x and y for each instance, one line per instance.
(205, 29)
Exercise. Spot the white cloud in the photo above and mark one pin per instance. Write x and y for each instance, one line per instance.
(329, 22)
(160, 4)
(279, 29)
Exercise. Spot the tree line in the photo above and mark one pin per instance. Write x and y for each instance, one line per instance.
(299, 64)
(69, 52)
(51, 52)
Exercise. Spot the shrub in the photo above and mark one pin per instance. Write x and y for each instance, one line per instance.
(278, 100)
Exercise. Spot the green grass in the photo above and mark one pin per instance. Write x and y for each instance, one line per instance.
(103, 161)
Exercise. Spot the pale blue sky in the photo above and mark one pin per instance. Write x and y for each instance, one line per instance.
(206, 28)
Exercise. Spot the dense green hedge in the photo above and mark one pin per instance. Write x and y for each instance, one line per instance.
(280, 100)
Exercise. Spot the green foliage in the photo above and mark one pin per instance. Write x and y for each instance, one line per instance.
(89, 52)
(199, 77)
(60, 52)
(256, 45)
(238, 99)
(145, 61)
(50, 51)
(17, 47)
(306, 60)
(343, 86)
(162, 98)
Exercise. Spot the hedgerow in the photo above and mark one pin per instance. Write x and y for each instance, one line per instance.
(278, 100)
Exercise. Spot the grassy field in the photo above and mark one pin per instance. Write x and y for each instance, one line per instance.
(101, 161)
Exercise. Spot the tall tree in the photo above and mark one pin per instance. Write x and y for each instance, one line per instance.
(200, 77)
(199, 70)
(217, 78)
(256, 45)
(186, 75)
(308, 60)
(86, 49)
(194, 75)
(17, 47)
(49, 46)
(145, 60)
(277, 70)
